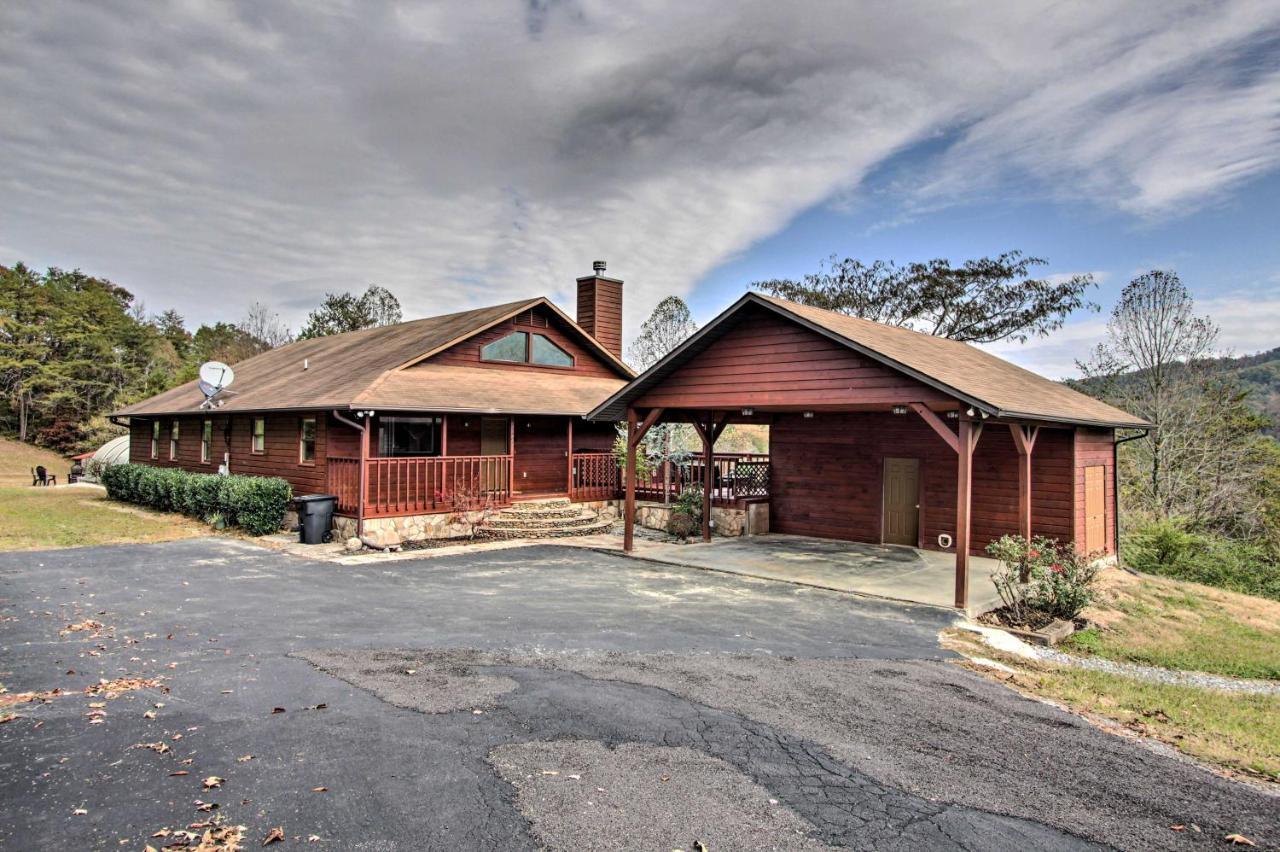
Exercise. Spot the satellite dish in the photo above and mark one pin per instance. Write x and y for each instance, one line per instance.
(215, 377)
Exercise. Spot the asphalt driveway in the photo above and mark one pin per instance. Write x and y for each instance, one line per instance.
(543, 696)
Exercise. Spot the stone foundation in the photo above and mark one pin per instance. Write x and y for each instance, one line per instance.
(726, 521)
(443, 524)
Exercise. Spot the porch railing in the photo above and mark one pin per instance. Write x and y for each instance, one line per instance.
(737, 476)
(594, 476)
(422, 485)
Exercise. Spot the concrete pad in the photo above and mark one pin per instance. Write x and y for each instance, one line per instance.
(886, 571)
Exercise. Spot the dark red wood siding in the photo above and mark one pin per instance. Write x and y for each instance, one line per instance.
(585, 361)
(281, 456)
(827, 478)
(766, 360)
(600, 310)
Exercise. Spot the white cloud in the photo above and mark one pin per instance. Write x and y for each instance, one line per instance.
(1248, 319)
(209, 154)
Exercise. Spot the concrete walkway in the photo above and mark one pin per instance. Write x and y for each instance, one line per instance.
(884, 571)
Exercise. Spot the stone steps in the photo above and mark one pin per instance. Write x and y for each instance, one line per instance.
(507, 521)
(550, 518)
(494, 533)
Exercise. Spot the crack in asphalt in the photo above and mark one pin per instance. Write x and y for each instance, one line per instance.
(845, 807)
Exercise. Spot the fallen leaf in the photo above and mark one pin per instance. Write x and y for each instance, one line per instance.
(319, 789)
(1239, 840)
(277, 710)
(275, 835)
(213, 781)
(1178, 827)
(205, 807)
(313, 838)
(82, 812)
(177, 773)
(150, 714)
(244, 758)
(7, 717)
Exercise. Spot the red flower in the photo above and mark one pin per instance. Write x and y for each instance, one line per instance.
(1058, 569)
(1033, 553)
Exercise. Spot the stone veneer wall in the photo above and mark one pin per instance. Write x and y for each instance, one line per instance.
(440, 525)
(729, 522)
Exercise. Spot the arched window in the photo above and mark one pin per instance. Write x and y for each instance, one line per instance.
(522, 347)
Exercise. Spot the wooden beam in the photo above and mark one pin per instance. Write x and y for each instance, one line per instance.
(1024, 438)
(937, 423)
(649, 420)
(964, 496)
(629, 505)
(708, 475)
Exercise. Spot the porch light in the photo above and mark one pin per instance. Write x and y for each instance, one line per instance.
(969, 411)
(808, 415)
(953, 415)
(747, 412)
(899, 409)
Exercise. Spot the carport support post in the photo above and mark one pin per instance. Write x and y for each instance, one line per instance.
(1024, 438)
(635, 434)
(709, 477)
(968, 439)
(629, 506)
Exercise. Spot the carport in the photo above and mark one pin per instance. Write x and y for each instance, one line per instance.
(924, 447)
(894, 572)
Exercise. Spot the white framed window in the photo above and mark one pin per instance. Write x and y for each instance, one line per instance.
(155, 439)
(307, 441)
(258, 441)
(206, 442)
(173, 440)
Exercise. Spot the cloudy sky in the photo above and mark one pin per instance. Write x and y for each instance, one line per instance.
(208, 154)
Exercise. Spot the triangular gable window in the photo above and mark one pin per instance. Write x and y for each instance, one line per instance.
(522, 347)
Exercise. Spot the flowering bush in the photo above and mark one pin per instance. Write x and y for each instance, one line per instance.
(1042, 580)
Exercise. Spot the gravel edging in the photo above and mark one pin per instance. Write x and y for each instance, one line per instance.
(1155, 674)
(1002, 640)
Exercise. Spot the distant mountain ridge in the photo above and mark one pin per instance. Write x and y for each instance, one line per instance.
(1259, 374)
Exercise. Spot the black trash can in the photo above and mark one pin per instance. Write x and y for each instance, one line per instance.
(315, 517)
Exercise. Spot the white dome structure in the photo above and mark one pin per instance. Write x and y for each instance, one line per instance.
(115, 451)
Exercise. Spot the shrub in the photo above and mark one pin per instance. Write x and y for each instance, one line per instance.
(254, 503)
(1170, 549)
(1042, 580)
(681, 524)
(689, 502)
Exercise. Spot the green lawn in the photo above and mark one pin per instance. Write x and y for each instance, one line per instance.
(1238, 731)
(38, 518)
(1178, 625)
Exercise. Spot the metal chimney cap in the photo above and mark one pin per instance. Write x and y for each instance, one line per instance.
(597, 266)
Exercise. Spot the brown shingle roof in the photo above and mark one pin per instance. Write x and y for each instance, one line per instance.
(970, 374)
(342, 368)
(444, 387)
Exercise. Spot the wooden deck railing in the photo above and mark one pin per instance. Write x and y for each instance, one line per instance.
(414, 485)
(594, 476)
(738, 476)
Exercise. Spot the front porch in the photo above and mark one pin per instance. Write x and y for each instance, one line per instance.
(892, 572)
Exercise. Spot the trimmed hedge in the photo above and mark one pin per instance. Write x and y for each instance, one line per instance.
(256, 504)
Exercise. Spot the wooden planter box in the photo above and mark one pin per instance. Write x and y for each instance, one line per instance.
(1050, 634)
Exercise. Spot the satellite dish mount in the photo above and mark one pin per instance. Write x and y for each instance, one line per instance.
(215, 377)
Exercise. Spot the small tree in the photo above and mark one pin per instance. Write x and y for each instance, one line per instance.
(667, 327)
(343, 312)
(979, 301)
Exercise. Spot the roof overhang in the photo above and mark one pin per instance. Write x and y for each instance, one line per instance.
(615, 407)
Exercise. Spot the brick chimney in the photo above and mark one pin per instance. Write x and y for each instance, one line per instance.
(600, 308)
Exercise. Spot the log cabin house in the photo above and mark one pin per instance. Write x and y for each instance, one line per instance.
(416, 420)
(884, 435)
